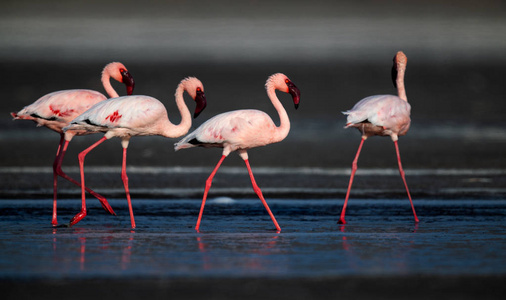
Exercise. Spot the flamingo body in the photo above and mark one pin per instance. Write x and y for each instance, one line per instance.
(57, 109)
(125, 117)
(234, 130)
(241, 130)
(382, 115)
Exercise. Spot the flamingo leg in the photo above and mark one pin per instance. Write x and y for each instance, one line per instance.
(124, 177)
(401, 171)
(57, 171)
(209, 182)
(54, 221)
(353, 171)
(260, 195)
(81, 157)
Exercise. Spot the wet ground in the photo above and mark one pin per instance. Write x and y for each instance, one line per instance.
(457, 249)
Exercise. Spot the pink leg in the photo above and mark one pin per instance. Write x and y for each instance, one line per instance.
(353, 170)
(124, 177)
(401, 171)
(81, 157)
(55, 179)
(57, 169)
(209, 181)
(260, 195)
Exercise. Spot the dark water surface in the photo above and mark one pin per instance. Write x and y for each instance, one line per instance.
(237, 239)
(456, 250)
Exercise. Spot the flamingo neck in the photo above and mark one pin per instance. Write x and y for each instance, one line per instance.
(284, 127)
(106, 81)
(401, 90)
(182, 128)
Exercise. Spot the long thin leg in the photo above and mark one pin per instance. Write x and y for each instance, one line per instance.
(209, 181)
(353, 170)
(124, 177)
(57, 171)
(81, 157)
(260, 195)
(54, 221)
(401, 171)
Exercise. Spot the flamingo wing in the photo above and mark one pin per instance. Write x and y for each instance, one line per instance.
(238, 129)
(62, 105)
(381, 110)
(122, 112)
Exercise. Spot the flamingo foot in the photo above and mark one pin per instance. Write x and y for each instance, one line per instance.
(77, 218)
(341, 221)
(106, 206)
(54, 223)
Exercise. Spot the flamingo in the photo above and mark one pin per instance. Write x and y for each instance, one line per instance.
(57, 109)
(241, 130)
(125, 117)
(383, 115)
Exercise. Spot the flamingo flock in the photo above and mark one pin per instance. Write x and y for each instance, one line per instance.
(80, 112)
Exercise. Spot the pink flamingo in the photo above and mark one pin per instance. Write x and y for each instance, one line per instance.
(383, 115)
(242, 130)
(57, 109)
(125, 117)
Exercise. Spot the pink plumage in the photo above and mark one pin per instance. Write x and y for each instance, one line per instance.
(383, 115)
(57, 109)
(241, 130)
(125, 117)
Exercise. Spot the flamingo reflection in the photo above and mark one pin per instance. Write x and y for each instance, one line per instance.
(257, 247)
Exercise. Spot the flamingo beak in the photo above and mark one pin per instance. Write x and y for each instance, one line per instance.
(128, 80)
(295, 92)
(200, 99)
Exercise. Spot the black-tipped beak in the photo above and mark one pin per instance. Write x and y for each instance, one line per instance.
(201, 101)
(128, 80)
(295, 92)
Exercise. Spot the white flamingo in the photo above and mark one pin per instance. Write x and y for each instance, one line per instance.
(241, 130)
(383, 115)
(125, 117)
(57, 109)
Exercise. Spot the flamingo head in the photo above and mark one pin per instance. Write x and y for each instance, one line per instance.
(200, 99)
(120, 73)
(195, 89)
(400, 62)
(281, 82)
(128, 80)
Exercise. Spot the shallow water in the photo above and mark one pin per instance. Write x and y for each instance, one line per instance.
(237, 239)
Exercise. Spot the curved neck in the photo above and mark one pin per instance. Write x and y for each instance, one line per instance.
(284, 126)
(106, 81)
(401, 90)
(186, 118)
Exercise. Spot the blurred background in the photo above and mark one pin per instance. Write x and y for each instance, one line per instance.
(336, 52)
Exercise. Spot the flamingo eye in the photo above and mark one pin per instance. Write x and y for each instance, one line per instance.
(199, 89)
(287, 81)
(122, 70)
